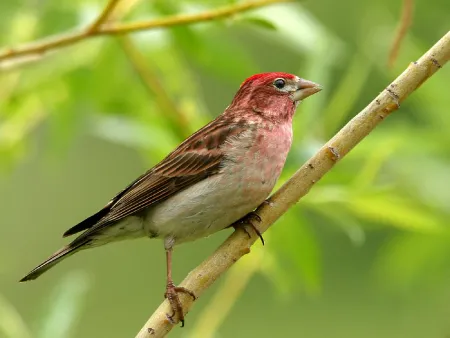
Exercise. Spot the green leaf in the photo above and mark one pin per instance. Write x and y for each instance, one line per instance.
(259, 22)
(394, 211)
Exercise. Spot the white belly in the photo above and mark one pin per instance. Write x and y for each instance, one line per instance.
(220, 200)
(249, 174)
(200, 210)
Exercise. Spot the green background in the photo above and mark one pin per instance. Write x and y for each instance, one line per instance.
(364, 254)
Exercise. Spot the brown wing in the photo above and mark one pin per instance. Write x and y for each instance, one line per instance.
(197, 158)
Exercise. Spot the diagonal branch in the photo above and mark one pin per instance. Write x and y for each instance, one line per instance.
(238, 244)
(151, 83)
(104, 16)
(39, 48)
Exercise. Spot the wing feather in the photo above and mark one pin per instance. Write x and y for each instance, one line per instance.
(197, 158)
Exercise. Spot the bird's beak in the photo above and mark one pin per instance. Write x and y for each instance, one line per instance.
(305, 88)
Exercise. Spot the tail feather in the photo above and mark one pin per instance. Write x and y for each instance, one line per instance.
(88, 222)
(51, 261)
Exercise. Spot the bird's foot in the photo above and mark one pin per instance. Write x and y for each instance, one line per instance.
(249, 220)
(172, 296)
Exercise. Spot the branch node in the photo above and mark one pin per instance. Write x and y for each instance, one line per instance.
(246, 250)
(170, 319)
(436, 63)
(335, 156)
(394, 96)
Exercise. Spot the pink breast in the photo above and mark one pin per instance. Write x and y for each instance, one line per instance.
(265, 159)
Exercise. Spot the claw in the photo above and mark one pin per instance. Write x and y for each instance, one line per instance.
(248, 220)
(172, 296)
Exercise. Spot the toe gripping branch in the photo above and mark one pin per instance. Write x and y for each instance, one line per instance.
(248, 220)
(172, 296)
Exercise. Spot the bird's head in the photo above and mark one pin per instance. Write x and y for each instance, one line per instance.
(273, 95)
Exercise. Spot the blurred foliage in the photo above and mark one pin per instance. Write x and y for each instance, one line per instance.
(147, 91)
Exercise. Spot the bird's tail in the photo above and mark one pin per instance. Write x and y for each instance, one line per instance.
(52, 261)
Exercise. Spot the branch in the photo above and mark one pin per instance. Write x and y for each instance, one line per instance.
(405, 22)
(40, 48)
(231, 289)
(152, 84)
(122, 9)
(238, 244)
(104, 16)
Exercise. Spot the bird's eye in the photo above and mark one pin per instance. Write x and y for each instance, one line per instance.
(279, 83)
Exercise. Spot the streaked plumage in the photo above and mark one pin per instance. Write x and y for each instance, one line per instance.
(214, 178)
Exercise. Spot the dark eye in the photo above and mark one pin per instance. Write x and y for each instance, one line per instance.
(279, 83)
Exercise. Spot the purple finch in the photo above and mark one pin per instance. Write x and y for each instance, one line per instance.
(211, 181)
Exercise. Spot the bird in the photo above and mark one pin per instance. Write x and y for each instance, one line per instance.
(213, 180)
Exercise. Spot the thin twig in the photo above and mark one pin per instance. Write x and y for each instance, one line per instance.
(152, 84)
(104, 16)
(122, 9)
(39, 48)
(405, 22)
(238, 244)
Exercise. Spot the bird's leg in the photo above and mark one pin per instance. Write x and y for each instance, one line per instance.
(249, 220)
(172, 291)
